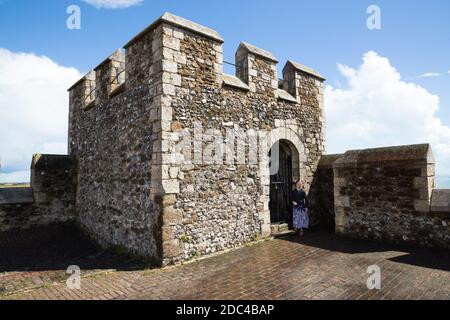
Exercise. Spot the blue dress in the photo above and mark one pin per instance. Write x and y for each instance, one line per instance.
(300, 214)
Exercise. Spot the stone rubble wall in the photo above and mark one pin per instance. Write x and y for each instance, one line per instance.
(50, 198)
(114, 138)
(384, 194)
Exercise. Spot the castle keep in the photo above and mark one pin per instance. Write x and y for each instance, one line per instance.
(133, 183)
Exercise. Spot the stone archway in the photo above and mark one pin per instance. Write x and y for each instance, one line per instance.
(288, 139)
(281, 182)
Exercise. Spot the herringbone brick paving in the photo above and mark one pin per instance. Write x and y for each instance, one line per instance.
(318, 266)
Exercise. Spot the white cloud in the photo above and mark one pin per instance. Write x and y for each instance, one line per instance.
(33, 110)
(113, 4)
(429, 75)
(378, 108)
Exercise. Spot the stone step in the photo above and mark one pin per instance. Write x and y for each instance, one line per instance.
(283, 233)
(273, 228)
(283, 227)
(280, 229)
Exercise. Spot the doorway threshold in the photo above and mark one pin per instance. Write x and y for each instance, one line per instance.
(280, 229)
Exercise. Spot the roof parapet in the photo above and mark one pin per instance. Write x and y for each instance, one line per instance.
(109, 75)
(257, 51)
(88, 76)
(305, 69)
(416, 152)
(117, 55)
(284, 95)
(182, 23)
(235, 82)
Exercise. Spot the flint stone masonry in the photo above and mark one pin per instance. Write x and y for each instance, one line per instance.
(384, 194)
(132, 189)
(49, 199)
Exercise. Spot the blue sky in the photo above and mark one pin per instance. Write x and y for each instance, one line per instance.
(414, 35)
(320, 34)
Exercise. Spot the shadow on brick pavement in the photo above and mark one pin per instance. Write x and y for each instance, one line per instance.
(41, 255)
(421, 257)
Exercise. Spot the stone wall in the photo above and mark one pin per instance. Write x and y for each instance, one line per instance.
(322, 193)
(384, 194)
(17, 209)
(225, 203)
(137, 189)
(113, 137)
(50, 199)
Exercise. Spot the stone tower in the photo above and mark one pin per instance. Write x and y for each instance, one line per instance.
(137, 188)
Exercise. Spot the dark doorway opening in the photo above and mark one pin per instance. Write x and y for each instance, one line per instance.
(280, 204)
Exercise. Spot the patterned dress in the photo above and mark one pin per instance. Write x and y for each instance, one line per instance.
(300, 214)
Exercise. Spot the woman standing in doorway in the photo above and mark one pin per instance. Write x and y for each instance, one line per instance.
(300, 203)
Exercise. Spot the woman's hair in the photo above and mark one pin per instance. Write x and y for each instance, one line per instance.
(297, 181)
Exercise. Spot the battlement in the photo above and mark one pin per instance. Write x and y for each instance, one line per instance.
(166, 52)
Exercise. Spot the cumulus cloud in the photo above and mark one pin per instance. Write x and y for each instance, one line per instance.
(113, 4)
(33, 110)
(377, 108)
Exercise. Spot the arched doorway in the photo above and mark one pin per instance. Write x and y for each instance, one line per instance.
(281, 181)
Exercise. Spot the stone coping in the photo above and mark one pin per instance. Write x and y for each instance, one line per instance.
(284, 95)
(418, 152)
(16, 195)
(182, 23)
(235, 82)
(328, 159)
(440, 201)
(305, 69)
(257, 51)
(88, 76)
(118, 55)
(52, 161)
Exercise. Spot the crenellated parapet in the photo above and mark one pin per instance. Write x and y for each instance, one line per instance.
(109, 75)
(175, 52)
(298, 81)
(257, 68)
(82, 93)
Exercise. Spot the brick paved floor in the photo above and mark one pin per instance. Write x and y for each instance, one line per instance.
(40, 256)
(319, 266)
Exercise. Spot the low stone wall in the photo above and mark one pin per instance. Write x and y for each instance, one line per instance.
(322, 193)
(54, 182)
(384, 194)
(16, 208)
(50, 199)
